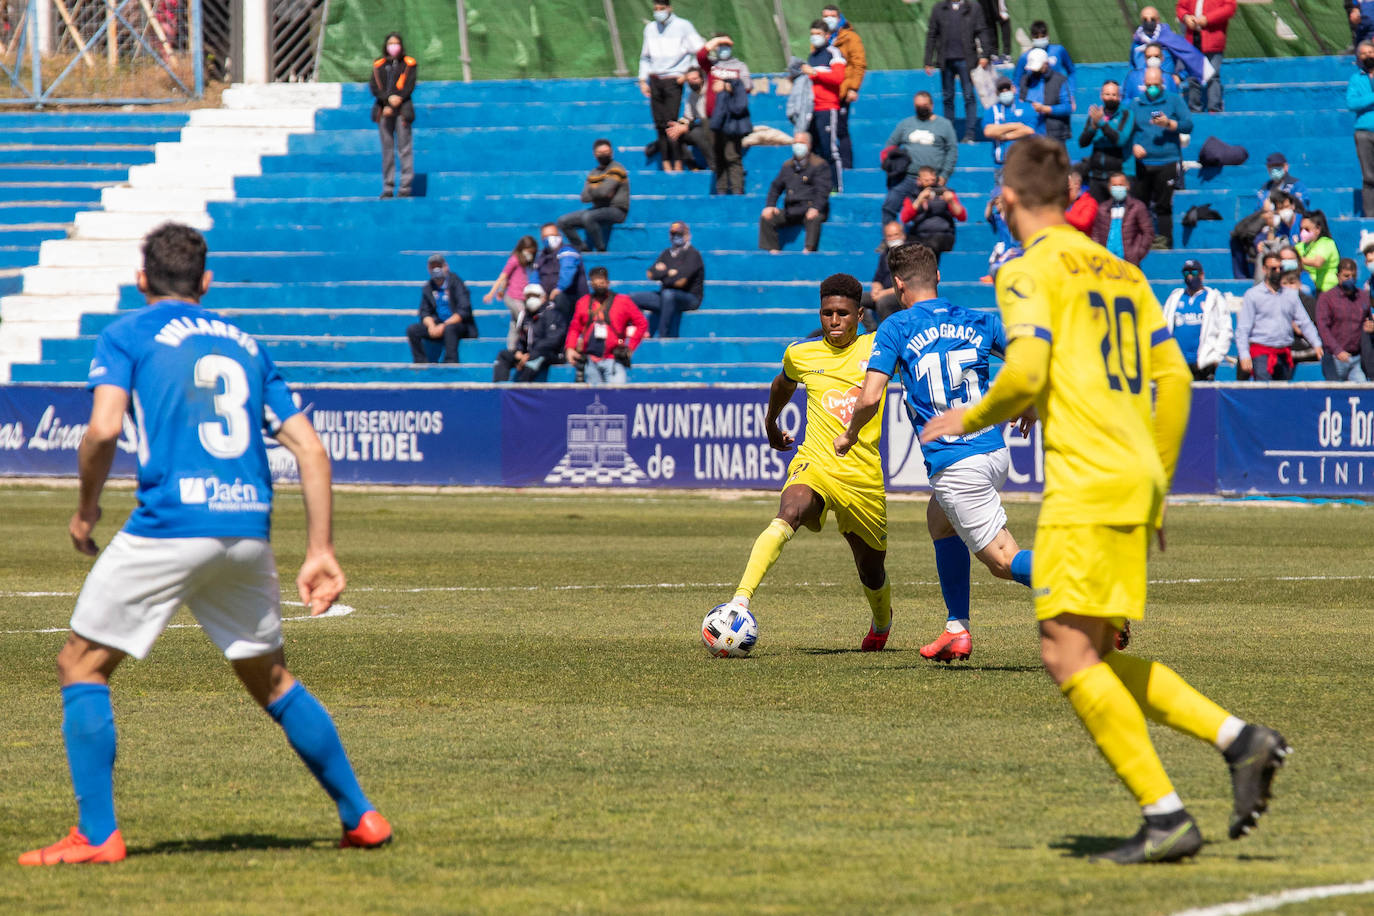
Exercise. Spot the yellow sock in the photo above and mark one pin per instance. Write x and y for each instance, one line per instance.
(767, 548)
(1118, 726)
(880, 599)
(1167, 698)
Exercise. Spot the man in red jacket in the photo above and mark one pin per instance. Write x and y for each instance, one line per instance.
(1205, 22)
(606, 328)
(826, 68)
(1082, 212)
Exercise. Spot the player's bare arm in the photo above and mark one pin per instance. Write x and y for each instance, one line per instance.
(779, 393)
(1024, 375)
(320, 581)
(865, 409)
(94, 459)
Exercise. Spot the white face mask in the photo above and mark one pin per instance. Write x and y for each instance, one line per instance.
(831, 22)
(1040, 42)
(799, 150)
(818, 41)
(893, 243)
(1007, 97)
(1286, 216)
(532, 303)
(1154, 62)
(661, 15)
(553, 242)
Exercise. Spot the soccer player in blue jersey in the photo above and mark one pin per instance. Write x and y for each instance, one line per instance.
(201, 393)
(942, 353)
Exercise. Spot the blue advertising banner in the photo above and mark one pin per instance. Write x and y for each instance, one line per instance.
(1298, 440)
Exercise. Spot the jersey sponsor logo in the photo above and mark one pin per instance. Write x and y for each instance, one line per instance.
(840, 404)
(220, 495)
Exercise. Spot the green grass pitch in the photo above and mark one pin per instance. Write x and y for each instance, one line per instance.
(523, 691)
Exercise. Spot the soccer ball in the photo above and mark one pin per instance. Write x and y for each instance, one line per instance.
(729, 631)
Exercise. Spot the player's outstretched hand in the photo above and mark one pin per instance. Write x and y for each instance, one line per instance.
(1026, 422)
(80, 528)
(949, 423)
(320, 582)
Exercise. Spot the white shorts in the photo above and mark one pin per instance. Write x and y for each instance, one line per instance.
(967, 491)
(138, 583)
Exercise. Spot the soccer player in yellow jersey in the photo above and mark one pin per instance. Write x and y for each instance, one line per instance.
(831, 368)
(1086, 340)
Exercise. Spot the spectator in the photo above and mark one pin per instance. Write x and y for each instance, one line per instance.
(1361, 16)
(1359, 98)
(1108, 131)
(1200, 321)
(1123, 224)
(930, 216)
(1005, 247)
(681, 276)
(1007, 121)
(826, 69)
(693, 128)
(843, 36)
(558, 269)
(1304, 351)
(606, 328)
(445, 313)
(805, 181)
(727, 110)
(1082, 212)
(1317, 252)
(1279, 231)
(1159, 119)
(1182, 56)
(926, 139)
(1057, 55)
(998, 19)
(1244, 237)
(1152, 58)
(607, 189)
(393, 81)
(882, 300)
(1280, 179)
(801, 101)
(1341, 315)
(664, 58)
(1367, 341)
(539, 340)
(956, 37)
(514, 276)
(1205, 22)
(1046, 91)
(1264, 330)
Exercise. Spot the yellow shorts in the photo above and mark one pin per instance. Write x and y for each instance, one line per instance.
(858, 510)
(1092, 570)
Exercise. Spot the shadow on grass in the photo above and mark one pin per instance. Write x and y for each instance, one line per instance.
(229, 842)
(1081, 846)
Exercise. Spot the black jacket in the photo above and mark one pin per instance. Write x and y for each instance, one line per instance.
(968, 21)
(1056, 90)
(458, 300)
(687, 262)
(806, 184)
(393, 76)
(542, 334)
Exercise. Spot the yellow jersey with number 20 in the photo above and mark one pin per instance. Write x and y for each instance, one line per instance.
(1101, 319)
(833, 379)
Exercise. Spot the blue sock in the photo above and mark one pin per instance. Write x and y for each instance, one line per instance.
(1021, 567)
(952, 565)
(89, 731)
(313, 736)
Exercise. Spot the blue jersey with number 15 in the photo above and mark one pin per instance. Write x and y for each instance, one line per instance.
(941, 352)
(202, 391)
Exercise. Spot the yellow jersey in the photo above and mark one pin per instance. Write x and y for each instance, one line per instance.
(834, 379)
(1102, 464)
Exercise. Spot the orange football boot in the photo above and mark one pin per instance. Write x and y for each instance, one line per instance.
(74, 849)
(875, 641)
(949, 647)
(372, 831)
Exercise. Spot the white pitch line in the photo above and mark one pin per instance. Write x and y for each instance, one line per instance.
(338, 610)
(1282, 898)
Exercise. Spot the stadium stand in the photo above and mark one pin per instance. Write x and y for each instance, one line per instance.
(327, 275)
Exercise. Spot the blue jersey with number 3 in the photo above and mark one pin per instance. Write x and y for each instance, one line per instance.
(942, 353)
(201, 391)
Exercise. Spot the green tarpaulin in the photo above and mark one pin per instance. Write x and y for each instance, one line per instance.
(510, 39)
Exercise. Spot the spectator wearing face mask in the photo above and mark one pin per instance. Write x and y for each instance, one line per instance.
(1280, 179)
(1082, 212)
(1341, 315)
(1152, 58)
(665, 54)
(1181, 57)
(926, 139)
(1159, 119)
(1008, 120)
(844, 37)
(558, 269)
(1280, 186)
(681, 275)
(1046, 91)
(957, 38)
(804, 180)
(606, 328)
(607, 189)
(1123, 224)
(826, 69)
(445, 313)
(1359, 98)
(1205, 22)
(882, 300)
(1108, 132)
(512, 280)
(1264, 329)
(1317, 252)
(1056, 55)
(931, 215)
(1279, 230)
(393, 81)
(539, 339)
(694, 127)
(727, 111)
(1200, 321)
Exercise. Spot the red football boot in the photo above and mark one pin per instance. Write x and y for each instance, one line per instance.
(949, 647)
(372, 831)
(74, 848)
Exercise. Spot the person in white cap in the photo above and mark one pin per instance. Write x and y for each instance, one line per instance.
(1046, 90)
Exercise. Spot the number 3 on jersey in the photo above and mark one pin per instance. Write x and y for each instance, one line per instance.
(229, 434)
(1120, 341)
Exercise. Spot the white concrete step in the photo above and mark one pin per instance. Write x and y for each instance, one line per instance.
(282, 95)
(97, 224)
(212, 174)
(247, 152)
(75, 281)
(300, 119)
(30, 308)
(90, 253)
(149, 200)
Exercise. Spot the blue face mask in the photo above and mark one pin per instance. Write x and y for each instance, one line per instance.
(1276, 174)
(724, 52)
(1006, 98)
(1118, 192)
(437, 274)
